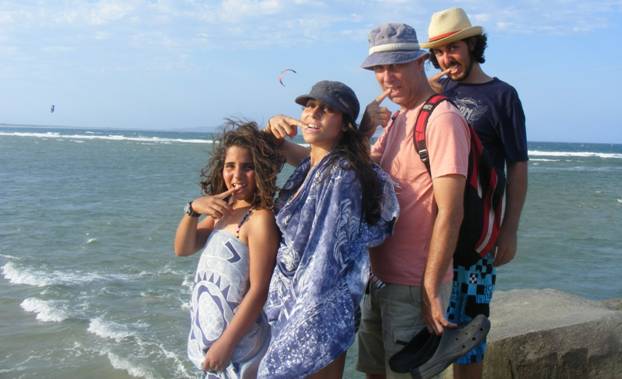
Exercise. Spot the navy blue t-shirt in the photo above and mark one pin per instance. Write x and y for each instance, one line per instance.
(496, 113)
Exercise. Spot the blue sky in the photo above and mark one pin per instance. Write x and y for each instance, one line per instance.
(186, 65)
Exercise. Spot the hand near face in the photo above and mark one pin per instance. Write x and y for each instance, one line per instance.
(283, 126)
(214, 206)
(375, 115)
(434, 80)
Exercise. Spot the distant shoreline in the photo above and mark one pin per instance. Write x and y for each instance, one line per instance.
(206, 129)
(213, 129)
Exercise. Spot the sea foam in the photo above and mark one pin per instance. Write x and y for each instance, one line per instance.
(109, 137)
(38, 278)
(108, 329)
(18, 275)
(9, 257)
(123, 364)
(580, 154)
(46, 310)
(543, 160)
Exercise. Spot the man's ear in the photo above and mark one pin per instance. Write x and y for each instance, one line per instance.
(471, 44)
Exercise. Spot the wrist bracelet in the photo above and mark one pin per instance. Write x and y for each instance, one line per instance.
(189, 211)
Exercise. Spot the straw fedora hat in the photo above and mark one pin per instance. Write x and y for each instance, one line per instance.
(449, 25)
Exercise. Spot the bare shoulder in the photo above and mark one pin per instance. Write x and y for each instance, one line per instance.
(263, 234)
(262, 219)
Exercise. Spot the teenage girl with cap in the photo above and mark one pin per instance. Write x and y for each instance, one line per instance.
(229, 332)
(334, 206)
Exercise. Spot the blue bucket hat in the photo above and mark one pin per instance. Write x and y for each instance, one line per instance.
(392, 43)
(335, 94)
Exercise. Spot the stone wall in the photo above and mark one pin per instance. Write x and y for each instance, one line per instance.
(551, 334)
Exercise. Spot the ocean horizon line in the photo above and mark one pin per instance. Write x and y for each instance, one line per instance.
(217, 129)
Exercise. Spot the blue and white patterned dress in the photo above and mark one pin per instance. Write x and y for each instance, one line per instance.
(220, 283)
(322, 266)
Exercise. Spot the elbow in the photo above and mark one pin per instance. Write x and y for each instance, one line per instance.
(451, 218)
(178, 251)
(181, 251)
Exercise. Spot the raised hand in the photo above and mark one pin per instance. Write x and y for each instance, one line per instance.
(375, 115)
(214, 206)
(434, 80)
(283, 126)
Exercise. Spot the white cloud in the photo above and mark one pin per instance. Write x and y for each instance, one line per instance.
(238, 24)
(109, 11)
(480, 18)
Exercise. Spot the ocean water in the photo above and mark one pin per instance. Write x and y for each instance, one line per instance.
(89, 284)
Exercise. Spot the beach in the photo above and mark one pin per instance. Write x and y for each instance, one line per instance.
(89, 284)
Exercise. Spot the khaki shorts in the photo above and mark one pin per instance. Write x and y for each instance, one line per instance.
(390, 318)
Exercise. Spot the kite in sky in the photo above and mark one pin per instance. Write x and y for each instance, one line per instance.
(52, 109)
(282, 75)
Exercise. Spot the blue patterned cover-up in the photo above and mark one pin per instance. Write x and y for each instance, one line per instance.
(220, 283)
(322, 266)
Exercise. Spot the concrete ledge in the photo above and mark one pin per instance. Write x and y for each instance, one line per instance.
(551, 334)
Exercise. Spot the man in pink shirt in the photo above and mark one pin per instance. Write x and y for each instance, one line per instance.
(412, 269)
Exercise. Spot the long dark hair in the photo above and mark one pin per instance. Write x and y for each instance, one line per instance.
(354, 147)
(477, 45)
(267, 161)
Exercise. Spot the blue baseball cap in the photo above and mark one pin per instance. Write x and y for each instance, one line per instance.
(336, 95)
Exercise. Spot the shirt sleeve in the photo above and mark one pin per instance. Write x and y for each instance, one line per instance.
(448, 144)
(513, 132)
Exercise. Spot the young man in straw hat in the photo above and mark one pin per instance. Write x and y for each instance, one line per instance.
(411, 270)
(495, 111)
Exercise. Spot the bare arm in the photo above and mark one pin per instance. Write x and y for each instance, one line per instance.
(262, 244)
(448, 195)
(282, 126)
(516, 194)
(293, 152)
(191, 234)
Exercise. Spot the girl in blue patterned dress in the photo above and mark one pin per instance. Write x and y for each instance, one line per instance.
(334, 206)
(229, 332)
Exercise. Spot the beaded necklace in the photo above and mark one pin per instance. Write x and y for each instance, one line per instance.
(246, 216)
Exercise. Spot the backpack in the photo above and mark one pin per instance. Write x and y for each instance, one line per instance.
(484, 193)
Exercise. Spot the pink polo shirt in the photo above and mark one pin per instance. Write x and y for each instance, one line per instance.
(401, 259)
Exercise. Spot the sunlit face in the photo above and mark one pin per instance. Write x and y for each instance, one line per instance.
(401, 79)
(239, 172)
(456, 56)
(322, 124)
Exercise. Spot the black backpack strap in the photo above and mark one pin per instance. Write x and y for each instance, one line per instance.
(421, 124)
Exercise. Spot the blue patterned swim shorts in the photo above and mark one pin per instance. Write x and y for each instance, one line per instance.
(471, 293)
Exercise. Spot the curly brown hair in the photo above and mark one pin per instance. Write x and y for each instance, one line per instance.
(267, 160)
